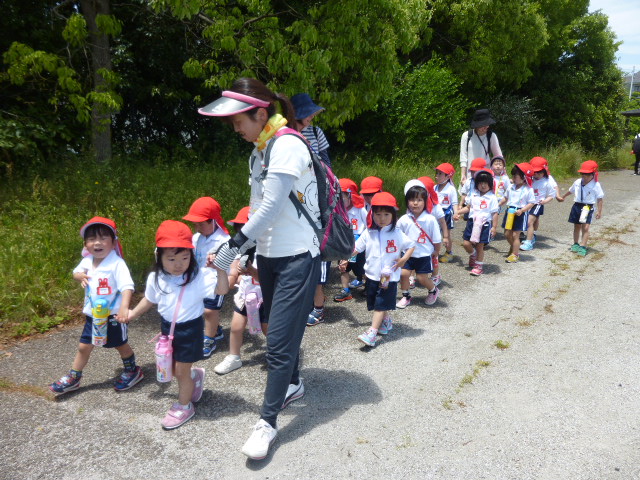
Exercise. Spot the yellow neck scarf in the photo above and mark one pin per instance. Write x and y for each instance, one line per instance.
(273, 125)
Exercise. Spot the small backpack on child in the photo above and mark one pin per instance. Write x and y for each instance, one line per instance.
(335, 235)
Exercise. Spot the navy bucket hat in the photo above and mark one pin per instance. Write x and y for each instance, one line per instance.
(304, 106)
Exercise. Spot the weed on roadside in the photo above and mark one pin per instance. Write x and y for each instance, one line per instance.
(501, 344)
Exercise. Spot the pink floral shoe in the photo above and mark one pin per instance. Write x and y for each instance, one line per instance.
(476, 271)
(177, 415)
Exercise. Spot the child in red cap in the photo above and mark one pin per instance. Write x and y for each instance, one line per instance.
(105, 277)
(358, 222)
(448, 200)
(244, 273)
(178, 287)
(544, 190)
(205, 214)
(368, 188)
(519, 199)
(588, 192)
(384, 244)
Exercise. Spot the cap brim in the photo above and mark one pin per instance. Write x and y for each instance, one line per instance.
(225, 107)
(195, 218)
(483, 123)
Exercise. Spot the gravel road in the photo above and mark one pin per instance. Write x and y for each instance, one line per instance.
(436, 399)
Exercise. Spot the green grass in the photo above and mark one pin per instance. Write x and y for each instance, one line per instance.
(42, 210)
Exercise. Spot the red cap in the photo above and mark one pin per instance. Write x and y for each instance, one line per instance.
(173, 234)
(100, 221)
(526, 169)
(589, 166)
(384, 199)
(477, 164)
(371, 185)
(446, 168)
(538, 164)
(241, 217)
(203, 209)
(348, 185)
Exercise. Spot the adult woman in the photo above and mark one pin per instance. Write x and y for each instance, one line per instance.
(288, 251)
(478, 142)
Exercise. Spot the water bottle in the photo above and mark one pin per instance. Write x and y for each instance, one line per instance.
(584, 214)
(511, 216)
(253, 313)
(478, 222)
(164, 359)
(385, 276)
(356, 236)
(100, 314)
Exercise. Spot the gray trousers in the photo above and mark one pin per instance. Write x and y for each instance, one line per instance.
(288, 285)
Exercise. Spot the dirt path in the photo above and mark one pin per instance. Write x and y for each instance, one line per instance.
(437, 399)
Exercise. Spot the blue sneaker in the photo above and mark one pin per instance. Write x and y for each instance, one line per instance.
(355, 283)
(369, 337)
(219, 334)
(126, 380)
(386, 327)
(209, 346)
(315, 317)
(526, 245)
(66, 384)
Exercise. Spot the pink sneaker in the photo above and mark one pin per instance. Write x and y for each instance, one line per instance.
(403, 302)
(177, 415)
(198, 385)
(476, 271)
(472, 261)
(432, 297)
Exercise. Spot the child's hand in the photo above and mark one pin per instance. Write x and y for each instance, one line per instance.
(492, 234)
(560, 198)
(123, 315)
(447, 243)
(342, 265)
(83, 278)
(598, 215)
(456, 217)
(518, 212)
(210, 258)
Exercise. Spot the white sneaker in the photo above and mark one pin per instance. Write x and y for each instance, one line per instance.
(257, 446)
(294, 392)
(228, 365)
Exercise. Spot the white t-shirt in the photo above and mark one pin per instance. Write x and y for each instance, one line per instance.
(447, 196)
(204, 244)
(384, 248)
(357, 220)
(482, 205)
(106, 280)
(542, 189)
(166, 294)
(519, 197)
(289, 234)
(589, 193)
(437, 211)
(501, 184)
(478, 148)
(423, 246)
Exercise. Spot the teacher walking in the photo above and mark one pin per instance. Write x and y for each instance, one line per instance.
(287, 249)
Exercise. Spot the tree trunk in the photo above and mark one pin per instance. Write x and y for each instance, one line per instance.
(100, 58)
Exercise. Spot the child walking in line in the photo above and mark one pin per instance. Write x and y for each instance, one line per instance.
(501, 180)
(244, 272)
(544, 191)
(178, 287)
(482, 206)
(358, 221)
(108, 284)
(434, 208)
(384, 244)
(448, 199)
(519, 199)
(423, 229)
(467, 187)
(205, 213)
(589, 193)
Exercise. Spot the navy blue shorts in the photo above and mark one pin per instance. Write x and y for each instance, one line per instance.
(576, 210)
(520, 223)
(419, 264)
(214, 303)
(484, 234)
(243, 311)
(117, 333)
(188, 339)
(537, 210)
(357, 267)
(448, 218)
(381, 299)
(325, 268)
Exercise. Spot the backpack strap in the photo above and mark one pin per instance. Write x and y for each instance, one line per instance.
(488, 149)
